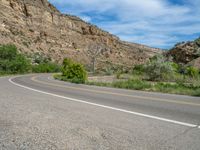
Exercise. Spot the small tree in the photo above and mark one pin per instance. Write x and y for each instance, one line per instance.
(11, 61)
(20, 64)
(94, 51)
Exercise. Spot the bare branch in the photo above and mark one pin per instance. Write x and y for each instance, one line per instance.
(94, 51)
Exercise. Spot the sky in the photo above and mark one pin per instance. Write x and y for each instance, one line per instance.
(156, 23)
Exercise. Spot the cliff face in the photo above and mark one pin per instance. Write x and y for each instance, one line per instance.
(37, 26)
(186, 53)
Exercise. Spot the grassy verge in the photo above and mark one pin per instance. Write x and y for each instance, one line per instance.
(171, 88)
(176, 88)
(136, 84)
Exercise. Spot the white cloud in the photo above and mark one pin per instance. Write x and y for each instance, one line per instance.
(153, 22)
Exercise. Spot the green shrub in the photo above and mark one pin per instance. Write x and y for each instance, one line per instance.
(138, 70)
(64, 78)
(175, 67)
(46, 68)
(109, 70)
(158, 69)
(118, 75)
(8, 52)
(43, 64)
(192, 72)
(11, 61)
(73, 71)
(20, 64)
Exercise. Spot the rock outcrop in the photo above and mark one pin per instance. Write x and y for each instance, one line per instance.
(37, 26)
(186, 53)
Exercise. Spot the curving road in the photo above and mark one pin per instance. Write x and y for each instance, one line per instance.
(38, 112)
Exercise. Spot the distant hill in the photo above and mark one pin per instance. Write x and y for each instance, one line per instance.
(186, 53)
(37, 26)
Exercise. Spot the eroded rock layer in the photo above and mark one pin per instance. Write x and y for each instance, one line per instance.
(37, 26)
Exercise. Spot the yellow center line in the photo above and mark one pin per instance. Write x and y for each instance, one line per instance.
(118, 94)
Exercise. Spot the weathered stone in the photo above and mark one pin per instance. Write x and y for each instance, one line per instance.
(186, 53)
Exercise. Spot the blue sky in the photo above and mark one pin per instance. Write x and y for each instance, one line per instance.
(157, 23)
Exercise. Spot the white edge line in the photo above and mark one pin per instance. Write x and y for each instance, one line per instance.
(108, 107)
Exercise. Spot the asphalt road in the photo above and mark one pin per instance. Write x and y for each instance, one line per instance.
(37, 112)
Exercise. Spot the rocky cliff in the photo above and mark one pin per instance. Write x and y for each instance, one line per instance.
(186, 53)
(37, 26)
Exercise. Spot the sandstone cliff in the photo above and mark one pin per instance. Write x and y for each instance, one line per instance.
(37, 26)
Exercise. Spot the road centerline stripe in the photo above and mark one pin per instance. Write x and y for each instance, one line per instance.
(107, 107)
(144, 98)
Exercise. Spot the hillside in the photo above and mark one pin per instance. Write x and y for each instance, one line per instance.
(186, 53)
(37, 26)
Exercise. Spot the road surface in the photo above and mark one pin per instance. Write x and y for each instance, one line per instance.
(40, 113)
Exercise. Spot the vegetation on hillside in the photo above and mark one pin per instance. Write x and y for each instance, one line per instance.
(43, 64)
(13, 62)
(159, 74)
